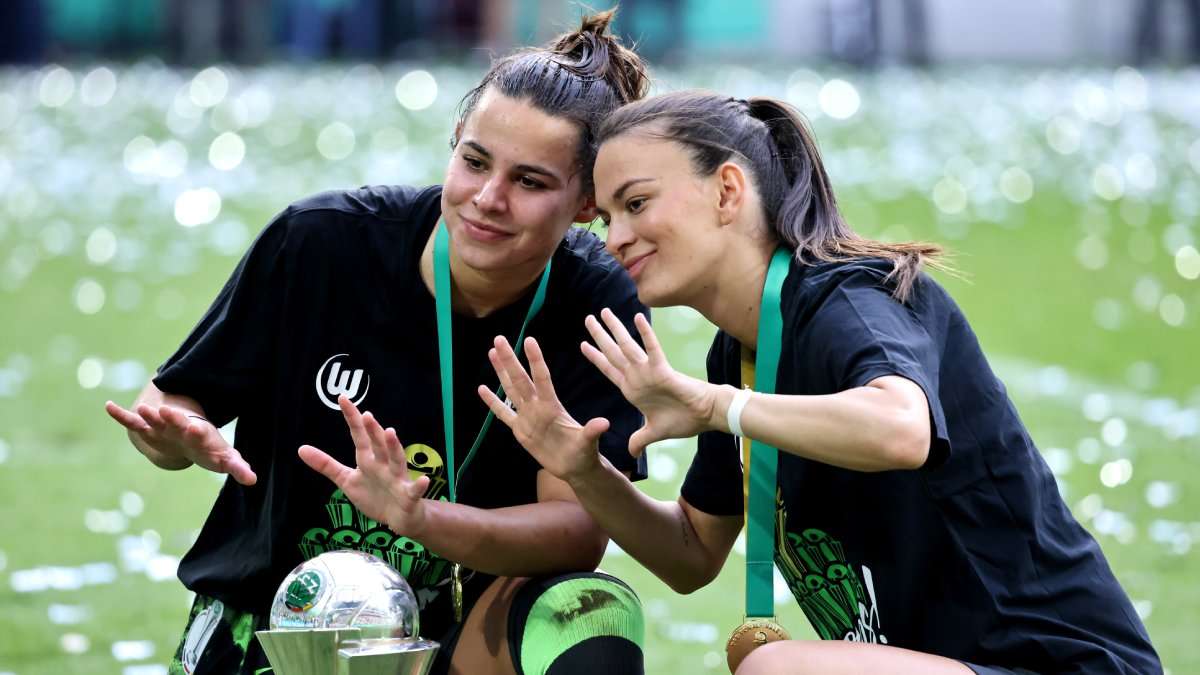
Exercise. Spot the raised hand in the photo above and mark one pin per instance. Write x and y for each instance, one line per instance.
(380, 485)
(175, 433)
(674, 405)
(538, 420)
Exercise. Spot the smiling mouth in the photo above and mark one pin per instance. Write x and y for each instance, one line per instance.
(635, 266)
(482, 232)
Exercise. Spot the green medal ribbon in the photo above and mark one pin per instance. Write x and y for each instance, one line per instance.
(441, 294)
(764, 459)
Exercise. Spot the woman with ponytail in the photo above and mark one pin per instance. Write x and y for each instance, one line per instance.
(850, 419)
(384, 297)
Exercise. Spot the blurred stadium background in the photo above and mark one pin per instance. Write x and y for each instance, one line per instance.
(1053, 145)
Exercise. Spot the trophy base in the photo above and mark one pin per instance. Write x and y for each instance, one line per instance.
(386, 657)
(343, 651)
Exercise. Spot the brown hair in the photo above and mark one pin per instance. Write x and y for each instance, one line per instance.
(582, 76)
(772, 141)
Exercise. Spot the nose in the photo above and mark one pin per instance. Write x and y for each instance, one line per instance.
(490, 197)
(620, 236)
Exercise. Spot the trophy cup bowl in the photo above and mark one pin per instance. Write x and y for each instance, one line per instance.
(346, 613)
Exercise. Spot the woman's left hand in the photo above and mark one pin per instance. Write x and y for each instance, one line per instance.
(538, 420)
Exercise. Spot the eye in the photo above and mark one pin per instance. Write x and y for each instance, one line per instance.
(635, 205)
(530, 183)
(474, 163)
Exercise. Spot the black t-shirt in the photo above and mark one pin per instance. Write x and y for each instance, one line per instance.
(974, 556)
(330, 300)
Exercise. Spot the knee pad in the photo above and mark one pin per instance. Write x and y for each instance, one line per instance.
(595, 616)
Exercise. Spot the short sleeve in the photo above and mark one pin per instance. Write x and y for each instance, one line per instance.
(714, 480)
(223, 362)
(860, 333)
(586, 393)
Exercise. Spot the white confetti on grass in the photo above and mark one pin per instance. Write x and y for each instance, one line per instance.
(145, 669)
(66, 615)
(132, 650)
(74, 643)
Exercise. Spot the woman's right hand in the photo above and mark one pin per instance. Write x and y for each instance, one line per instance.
(675, 405)
(180, 437)
(379, 484)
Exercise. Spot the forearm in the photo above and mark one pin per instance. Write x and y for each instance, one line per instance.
(656, 533)
(517, 541)
(862, 429)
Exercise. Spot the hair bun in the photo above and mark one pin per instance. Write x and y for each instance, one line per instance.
(597, 23)
(593, 28)
(592, 52)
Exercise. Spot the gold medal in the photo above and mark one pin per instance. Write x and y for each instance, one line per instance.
(749, 636)
(456, 591)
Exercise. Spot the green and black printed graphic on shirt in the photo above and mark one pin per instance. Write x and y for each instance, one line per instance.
(831, 593)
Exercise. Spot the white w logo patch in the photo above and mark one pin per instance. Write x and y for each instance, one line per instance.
(340, 382)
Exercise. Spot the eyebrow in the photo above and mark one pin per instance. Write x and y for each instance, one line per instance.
(626, 185)
(525, 168)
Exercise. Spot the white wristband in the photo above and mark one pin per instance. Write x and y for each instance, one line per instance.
(734, 416)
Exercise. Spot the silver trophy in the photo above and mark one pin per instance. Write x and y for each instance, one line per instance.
(346, 613)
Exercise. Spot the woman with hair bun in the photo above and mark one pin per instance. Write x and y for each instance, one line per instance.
(887, 475)
(383, 298)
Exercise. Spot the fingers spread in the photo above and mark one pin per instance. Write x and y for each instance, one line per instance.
(354, 421)
(377, 444)
(324, 464)
(629, 347)
(126, 418)
(653, 349)
(151, 416)
(542, 383)
(515, 380)
(605, 342)
(395, 454)
(499, 408)
(501, 371)
(602, 363)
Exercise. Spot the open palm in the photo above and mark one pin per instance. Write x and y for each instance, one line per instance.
(674, 405)
(380, 485)
(538, 420)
